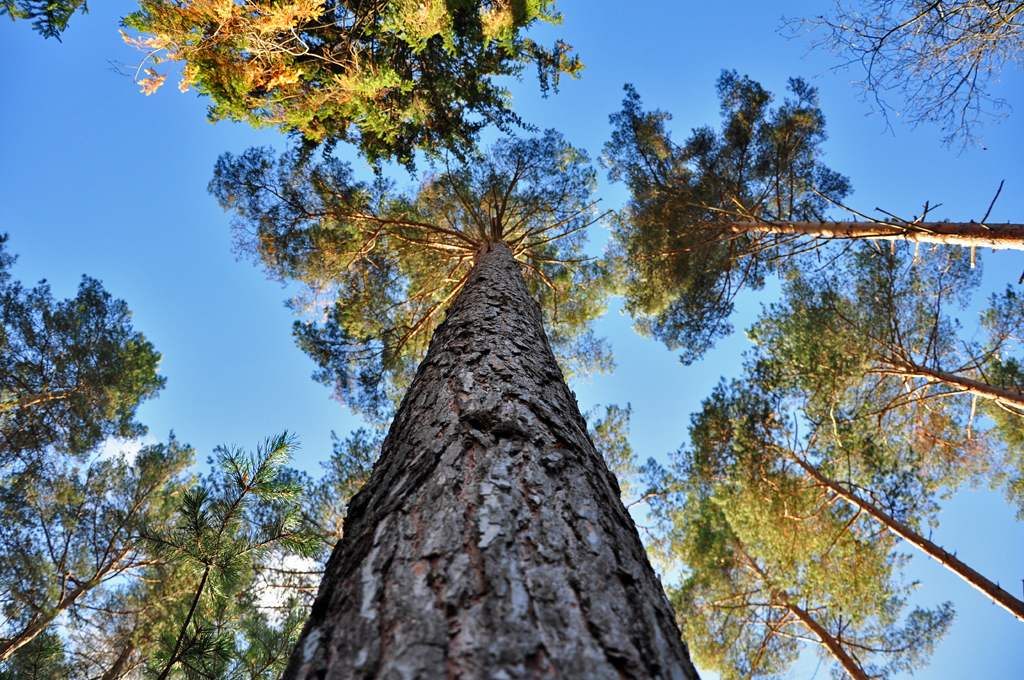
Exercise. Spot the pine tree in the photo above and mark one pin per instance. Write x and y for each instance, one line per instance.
(725, 209)
(771, 561)
(72, 373)
(490, 537)
(110, 562)
(392, 76)
(215, 548)
(941, 57)
(492, 519)
(41, 659)
(70, 529)
(869, 355)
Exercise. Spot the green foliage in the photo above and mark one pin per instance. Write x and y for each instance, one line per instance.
(228, 583)
(215, 547)
(379, 267)
(41, 659)
(1006, 371)
(610, 436)
(392, 76)
(682, 267)
(137, 566)
(68, 529)
(850, 343)
(855, 380)
(762, 548)
(72, 372)
(49, 17)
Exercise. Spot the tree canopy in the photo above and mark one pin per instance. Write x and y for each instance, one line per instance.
(683, 269)
(378, 267)
(392, 76)
(771, 563)
(72, 372)
(870, 345)
(110, 562)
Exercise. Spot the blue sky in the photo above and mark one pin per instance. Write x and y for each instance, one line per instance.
(97, 179)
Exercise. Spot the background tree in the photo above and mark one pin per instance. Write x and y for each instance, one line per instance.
(384, 265)
(1008, 429)
(40, 659)
(391, 76)
(872, 363)
(72, 373)
(726, 209)
(70, 529)
(122, 552)
(771, 562)
(197, 600)
(870, 341)
(610, 437)
(326, 499)
(941, 57)
(684, 270)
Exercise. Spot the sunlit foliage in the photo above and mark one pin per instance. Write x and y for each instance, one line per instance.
(378, 267)
(684, 269)
(871, 348)
(392, 76)
(771, 562)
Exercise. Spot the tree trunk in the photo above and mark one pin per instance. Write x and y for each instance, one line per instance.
(490, 541)
(968, 235)
(992, 590)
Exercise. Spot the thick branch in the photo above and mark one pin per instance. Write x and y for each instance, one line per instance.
(992, 590)
(35, 398)
(1003, 395)
(967, 235)
(830, 643)
(39, 623)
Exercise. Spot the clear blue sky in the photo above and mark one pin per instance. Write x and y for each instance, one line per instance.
(97, 179)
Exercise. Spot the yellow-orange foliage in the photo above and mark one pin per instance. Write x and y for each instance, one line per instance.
(394, 75)
(263, 33)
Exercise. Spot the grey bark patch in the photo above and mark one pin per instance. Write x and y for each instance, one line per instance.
(490, 541)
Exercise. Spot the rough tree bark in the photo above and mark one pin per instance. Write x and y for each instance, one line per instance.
(490, 540)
